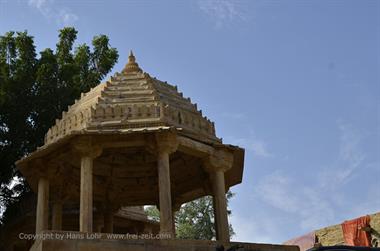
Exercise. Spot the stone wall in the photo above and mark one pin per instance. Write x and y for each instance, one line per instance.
(333, 235)
(103, 243)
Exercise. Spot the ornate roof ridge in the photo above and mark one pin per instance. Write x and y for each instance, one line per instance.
(132, 99)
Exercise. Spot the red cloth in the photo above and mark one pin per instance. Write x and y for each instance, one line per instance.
(305, 242)
(352, 234)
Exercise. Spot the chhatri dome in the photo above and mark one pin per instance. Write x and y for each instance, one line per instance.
(131, 141)
(133, 101)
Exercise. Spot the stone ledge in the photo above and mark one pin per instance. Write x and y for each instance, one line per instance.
(103, 243)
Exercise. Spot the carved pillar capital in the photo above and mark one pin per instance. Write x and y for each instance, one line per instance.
(166, 142)
(85, 146)
(219, 160)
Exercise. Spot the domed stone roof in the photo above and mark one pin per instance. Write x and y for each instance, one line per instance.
(133, 101)
(123, 124)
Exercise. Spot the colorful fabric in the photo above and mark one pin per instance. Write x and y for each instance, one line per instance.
(305, 242)
(352, 233)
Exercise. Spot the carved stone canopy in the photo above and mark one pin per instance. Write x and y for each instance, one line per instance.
(133, 101)
(122, 124)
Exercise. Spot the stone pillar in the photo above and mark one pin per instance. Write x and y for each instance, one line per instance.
(215, 218)
(176, 207)
(42, 213)
(57, 216)
(173, 223)
(99, 228)
(166, 144)
(220, 206)
(88, 152)
(108, 221)
(166, 224)
(216, 165)
(85, 218)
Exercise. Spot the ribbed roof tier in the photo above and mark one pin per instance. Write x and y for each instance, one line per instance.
(133, 101)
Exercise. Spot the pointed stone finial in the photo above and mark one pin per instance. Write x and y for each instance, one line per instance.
(131, 66)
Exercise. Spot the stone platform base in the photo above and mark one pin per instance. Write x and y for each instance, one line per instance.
(76, 241)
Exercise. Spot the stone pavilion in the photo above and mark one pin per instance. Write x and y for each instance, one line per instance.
(131, 141)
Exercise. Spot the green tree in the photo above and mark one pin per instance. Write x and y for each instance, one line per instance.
(195, 219)
(35, 90)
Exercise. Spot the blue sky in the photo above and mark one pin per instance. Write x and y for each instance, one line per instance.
(296, 83)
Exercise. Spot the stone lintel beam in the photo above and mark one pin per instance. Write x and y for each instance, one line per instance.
(193, 147)
(122, 143)
(166, 144)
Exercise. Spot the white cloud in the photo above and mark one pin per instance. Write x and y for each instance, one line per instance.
(43, 6)
(251, 143)
(326, 199)
(62, 16)
(351, 158)
(259, 148)
(305, 202)
(221, 11)
(254, 229)
(67, 17)
(39, 4)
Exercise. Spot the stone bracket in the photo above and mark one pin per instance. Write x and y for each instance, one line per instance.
(85, 146)
(219, 160)
(166, 142)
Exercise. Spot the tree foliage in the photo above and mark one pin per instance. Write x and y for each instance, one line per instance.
(195, 219)
(35, 90)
